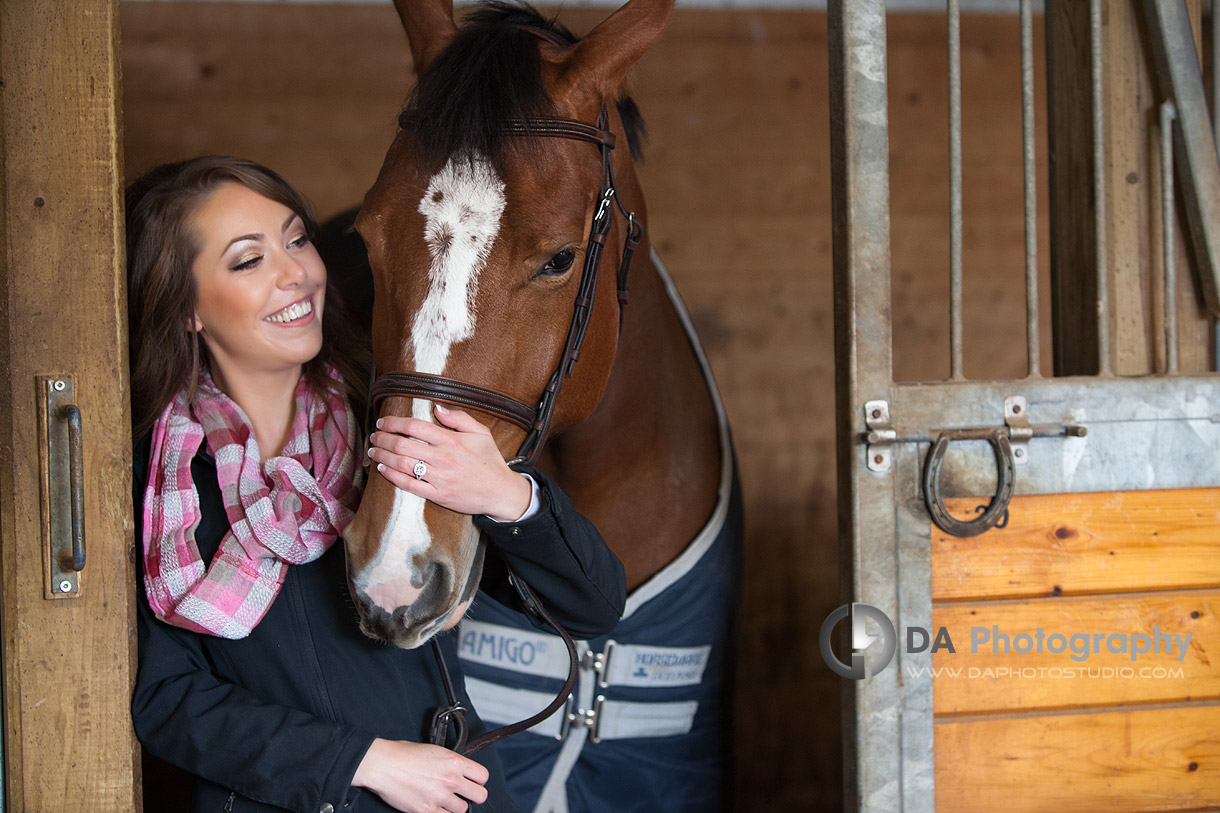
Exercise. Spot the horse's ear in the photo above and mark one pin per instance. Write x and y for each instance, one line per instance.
(430, 28)
(598, 64)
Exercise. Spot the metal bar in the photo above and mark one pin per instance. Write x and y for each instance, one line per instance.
(955, 190)
(1099, 188)
(1168, 114)
(887, 722)
(1033, 365)
(1044, 430)
(1181, 81)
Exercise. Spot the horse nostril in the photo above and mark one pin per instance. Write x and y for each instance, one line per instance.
(435, 587)
(378, 623)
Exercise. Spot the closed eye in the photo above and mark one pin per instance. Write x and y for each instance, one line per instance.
(247, 264)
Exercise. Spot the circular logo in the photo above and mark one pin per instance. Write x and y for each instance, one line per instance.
(860, 666)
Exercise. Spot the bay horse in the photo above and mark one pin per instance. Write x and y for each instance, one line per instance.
(510, 155)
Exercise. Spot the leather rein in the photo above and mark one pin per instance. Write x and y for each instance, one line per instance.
(534, 420)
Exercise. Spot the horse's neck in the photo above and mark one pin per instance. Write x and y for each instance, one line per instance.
(646, 465)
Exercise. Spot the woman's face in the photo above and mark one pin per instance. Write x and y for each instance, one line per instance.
(260, 284)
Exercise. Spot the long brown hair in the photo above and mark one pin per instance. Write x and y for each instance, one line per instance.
(166, 353)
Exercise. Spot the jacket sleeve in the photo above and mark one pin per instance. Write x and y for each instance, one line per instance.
(562, 557)
(187, 714)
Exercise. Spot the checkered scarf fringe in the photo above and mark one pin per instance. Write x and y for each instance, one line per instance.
(278, 516)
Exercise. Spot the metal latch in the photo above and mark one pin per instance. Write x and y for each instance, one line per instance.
(1009, 442)
(882, 435)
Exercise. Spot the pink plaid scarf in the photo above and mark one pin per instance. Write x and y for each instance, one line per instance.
(281, 515)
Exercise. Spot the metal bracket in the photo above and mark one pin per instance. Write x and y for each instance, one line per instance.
(881, 435)
(587, 718)
(1016, 415)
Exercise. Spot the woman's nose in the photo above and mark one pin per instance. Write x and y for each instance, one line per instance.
(290, 272)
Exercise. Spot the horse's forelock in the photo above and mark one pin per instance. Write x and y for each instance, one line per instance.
(489, 74)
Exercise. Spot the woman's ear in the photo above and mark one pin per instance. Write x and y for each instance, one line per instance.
(195, 325)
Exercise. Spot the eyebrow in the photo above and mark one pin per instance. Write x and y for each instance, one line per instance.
(284, 228)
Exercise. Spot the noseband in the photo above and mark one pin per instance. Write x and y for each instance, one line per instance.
(536, 420)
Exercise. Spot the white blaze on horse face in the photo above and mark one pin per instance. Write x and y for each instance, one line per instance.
(461, 210)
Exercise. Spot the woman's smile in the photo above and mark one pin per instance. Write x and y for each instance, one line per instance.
(297, 314)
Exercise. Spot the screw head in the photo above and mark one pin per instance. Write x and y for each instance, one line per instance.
(65, 586)
(1019, 452)
(59, 386)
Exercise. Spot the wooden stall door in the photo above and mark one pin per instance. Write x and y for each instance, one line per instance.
(68, 639)
(1112, 535)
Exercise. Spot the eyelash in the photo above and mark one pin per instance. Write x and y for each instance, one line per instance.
(245, 265)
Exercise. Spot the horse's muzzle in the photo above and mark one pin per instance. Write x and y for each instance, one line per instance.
(437, 607)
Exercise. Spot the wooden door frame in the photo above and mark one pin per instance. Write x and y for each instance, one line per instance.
(68, 662)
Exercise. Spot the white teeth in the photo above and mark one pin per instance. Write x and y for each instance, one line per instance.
(292, 312)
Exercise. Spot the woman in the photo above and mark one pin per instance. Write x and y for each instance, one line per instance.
(253, 673)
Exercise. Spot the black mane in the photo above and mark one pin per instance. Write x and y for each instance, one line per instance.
(491, 73)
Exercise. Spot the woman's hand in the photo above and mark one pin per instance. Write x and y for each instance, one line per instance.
(418, 778)
(465, 472)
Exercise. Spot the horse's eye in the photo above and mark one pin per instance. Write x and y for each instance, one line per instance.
(558, 265)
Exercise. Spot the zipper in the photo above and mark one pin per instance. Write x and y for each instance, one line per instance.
(311, 651)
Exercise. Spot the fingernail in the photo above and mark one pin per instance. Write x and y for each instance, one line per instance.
(379, 420)
(381, 467)
(442, 409)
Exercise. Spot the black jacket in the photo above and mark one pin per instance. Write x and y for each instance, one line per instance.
(282, 718)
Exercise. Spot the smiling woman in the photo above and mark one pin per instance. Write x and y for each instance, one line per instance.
(246, 473)
(259, 297)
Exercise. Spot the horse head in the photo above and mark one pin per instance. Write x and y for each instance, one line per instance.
(477, 231)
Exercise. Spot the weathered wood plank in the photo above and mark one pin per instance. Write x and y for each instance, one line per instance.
(1074, 243)
(988, 673)
(68, 662)
(1141, 760)
(1083, 543)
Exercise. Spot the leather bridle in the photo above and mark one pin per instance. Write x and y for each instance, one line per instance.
(536, 421)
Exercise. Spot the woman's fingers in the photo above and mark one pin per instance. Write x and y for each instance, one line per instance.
(461, 461)
(421, 778)
(460, 420)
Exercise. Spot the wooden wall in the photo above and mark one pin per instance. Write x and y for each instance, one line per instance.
(737, 177)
